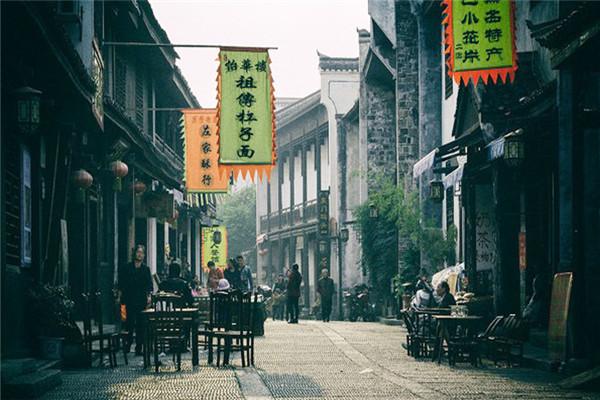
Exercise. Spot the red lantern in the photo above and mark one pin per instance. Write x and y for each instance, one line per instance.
(139, 187)
(82, 179)
(119, 170)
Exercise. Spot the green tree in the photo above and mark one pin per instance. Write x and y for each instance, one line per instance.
(238, 213)
(398, 217)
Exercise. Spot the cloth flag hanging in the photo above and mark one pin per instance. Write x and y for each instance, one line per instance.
(201, 147)
(480, 40)
(245, 111)
(214, 246)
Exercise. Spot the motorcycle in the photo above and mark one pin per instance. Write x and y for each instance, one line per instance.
(358, 304)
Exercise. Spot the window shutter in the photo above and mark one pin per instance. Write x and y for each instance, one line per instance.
(120, 82)
(139, 97)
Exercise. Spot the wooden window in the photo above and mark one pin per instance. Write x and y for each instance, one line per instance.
(139, 97)
(26, 208)
(120, 82)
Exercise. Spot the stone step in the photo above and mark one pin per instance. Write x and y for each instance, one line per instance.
(31, 385)
(11, 368)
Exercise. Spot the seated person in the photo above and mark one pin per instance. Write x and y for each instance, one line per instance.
(174, 284)
(445, 297)
(423, 298)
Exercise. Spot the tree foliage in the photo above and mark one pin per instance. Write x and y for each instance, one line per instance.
(238, 213)
(388, 263)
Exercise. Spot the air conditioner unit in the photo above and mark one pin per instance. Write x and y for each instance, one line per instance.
(69, 10)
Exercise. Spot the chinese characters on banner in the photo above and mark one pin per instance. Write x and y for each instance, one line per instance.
(480, 40)
(245, 112)
(214, 250)
(323, 228)
(202, 171)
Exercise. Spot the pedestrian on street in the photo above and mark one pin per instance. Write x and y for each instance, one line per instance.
(175, 284)
(214, 275)
(135, 287)
(245, 274)
(326, 290)
(293, 293)
(233, 274)
(278, 304)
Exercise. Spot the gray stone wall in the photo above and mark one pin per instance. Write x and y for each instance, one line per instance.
(381, 132)
(407, 92)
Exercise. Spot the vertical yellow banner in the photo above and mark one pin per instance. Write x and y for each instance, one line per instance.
(202, 171)
(214, 246)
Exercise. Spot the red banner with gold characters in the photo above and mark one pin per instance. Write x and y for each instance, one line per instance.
(480, 40)
(201, 147)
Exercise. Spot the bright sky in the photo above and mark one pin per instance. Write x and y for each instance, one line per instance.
(297, 27)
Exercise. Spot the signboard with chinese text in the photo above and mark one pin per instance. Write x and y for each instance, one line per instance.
(202, 172)
(323, 210)
(485, 229)
(480, 40)
(559, 314)
(522, 251)
(245, 112)
(211, 250)
(155, 205)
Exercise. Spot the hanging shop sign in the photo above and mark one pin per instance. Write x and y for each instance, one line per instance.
(245, 112)
(323, 204)
(201, 148)
(214, 246)
(155, 205)
(480, 40)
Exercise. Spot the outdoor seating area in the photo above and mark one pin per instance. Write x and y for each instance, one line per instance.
(442, 333)
(222, 322)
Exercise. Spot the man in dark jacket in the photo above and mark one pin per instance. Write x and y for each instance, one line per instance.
(177, 285)
(135, 287)
(293, 293)
(446, 298)
(325, 289)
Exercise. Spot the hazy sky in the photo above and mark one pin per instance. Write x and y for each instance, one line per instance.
(297, 27)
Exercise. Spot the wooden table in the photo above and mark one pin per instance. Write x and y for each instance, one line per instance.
(468, 322)
(191, 314)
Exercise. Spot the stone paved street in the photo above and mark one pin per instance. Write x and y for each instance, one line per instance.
(314, 360)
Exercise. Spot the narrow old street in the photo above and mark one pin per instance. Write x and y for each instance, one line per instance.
(315, 360)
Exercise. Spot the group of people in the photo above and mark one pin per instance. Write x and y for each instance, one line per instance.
(427, 297)
(135, 288)
(286, 295)
(237, 275)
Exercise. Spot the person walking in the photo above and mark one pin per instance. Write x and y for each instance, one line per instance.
(326, 290)
(135, 287)
(214, 275)
(245, 274)
(293, 293)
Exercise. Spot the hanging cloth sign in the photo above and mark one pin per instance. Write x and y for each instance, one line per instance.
(201, 148)
(245, 111)
(214, 246)
(480, 40)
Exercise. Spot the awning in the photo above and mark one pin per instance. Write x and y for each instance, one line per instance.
(424, 164)
(445, 152)
(454, 177)
(495, 149)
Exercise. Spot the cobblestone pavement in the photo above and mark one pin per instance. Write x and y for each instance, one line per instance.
(313, 360)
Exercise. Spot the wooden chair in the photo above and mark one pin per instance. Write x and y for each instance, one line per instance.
(93, 331)
(219, 319)
(411, 335)
(243, 331)
(506, 342)
(167, 329)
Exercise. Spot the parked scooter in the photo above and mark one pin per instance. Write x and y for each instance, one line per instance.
(358, 304)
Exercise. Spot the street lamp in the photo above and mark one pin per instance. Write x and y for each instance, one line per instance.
(344, 234)
(514, 148)
(436, 191)
(28, 109)
(373, 212)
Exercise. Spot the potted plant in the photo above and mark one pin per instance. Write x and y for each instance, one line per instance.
(51, 309)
